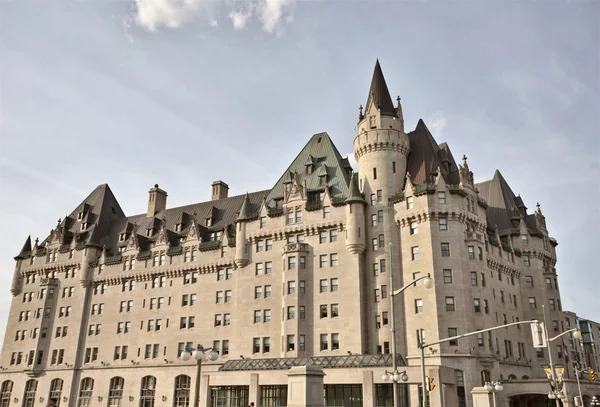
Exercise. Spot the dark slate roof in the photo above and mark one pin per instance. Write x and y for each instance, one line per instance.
(26, 250)
(355, 194)
(380, 94)
(426, 156)
(503, 209)
(328, 159)
(247, 212)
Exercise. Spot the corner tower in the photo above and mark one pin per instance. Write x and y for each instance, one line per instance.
(381, 146)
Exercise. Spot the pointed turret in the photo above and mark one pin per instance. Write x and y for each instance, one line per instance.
(379, 93)
(26, 250)
(246, 212)
(355, 195)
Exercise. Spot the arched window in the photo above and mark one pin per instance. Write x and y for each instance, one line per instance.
(115, 391)
(182, 391)
(5, 392)
(525, 377)
(85, 392)
(29, 394)
(460, 388)
(485, 377)
(147, 391)
(56, 387)
(512, 377)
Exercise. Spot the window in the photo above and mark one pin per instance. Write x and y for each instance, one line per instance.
(147, 391)
(302, 287)
(486, 308)
(532, 303)
(181, 398)
(257, 316)
(379, 216)
(480, 253)
(453, 332)
(526, 261)
(552, 304)
(323, 260)
(524, 239)
(381, 241)
(415, 252)
(115, 391)
(379, 195)
(291, 287)
(334, 285)
(56, 387)
(228, 295)
(529, 281)
(409, 202)
(29, 394)
(445, 249)
(266, 344)
(260, 245)
(443, 224)
(335, 341)
(471, 252)
(291, 262)
(323, 311)
(333, 259)
(85, 392)
(447, 276)
(450, 304)
(473, 278)
(373, 199)
(376, 269)
(323, 286)
(374, 173)
(418, 306)
(375, 244)
(324, 345)
(290, 343)
(291, 312)
(413, 228)
(326, 212)
(268, 267)
(476, 305)
(441, 198)
(549, 283)
(377, 295)
(334, 310)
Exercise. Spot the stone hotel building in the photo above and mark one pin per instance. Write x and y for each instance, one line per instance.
(298, 274)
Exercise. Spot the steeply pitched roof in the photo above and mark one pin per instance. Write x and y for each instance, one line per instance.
(355, 194)
(26, 250)
(379, 93)
(426, 156)
(247, 212)
(324, 152)
(502, 204)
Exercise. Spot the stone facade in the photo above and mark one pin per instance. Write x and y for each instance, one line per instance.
(300, 274)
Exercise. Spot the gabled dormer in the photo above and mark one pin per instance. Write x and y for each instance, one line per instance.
(322, 174)
(181, 222)
(310, 164)
(210, 217)
(85, 208)
(152, 227)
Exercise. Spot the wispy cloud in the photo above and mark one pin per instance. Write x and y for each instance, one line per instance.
(436, 124)
(152, 14)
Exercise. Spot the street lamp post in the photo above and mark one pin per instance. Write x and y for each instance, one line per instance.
(556, 394)
(198, 354)
(428, 283)
(493, 387)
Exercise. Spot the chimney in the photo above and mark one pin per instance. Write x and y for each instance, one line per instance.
(157, 201)
(219, 190)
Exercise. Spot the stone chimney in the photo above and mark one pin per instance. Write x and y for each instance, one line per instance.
(157, 201)
(219, 190)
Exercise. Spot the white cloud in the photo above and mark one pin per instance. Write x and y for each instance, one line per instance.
(240, 18)
(151, 14)
(436, 124)
(271, 13)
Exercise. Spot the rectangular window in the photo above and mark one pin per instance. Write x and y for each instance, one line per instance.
(291, 287)
(524, 239)
(322, 237)
(333, 259)
(445, 249)
(257, 292)
(379, 195)
(447, 276)
(381, 241)
(268, 267)
(374, 173)
(409, 202)
(471, 252)
(418, 306)
(526, 261)
(334, 284)
(323, 311)
(258, 269)
(415, 252)
(291, 262)
(532, 303)
(323, 342)
(263, 222)
(443, 224)
(450, 304)
(302, 287)
(333, 235)
(326, 212)
(473, 278)
(441, 198)
(323, 260)
(375, 244)
(476, 305)
(453, 332)
(483, 279)
(413, 228)
(376, 269)
(382, 265)
(323, 286)
(528, 281)
(380, 216)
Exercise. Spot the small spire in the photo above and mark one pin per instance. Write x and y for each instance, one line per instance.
(398, 100)
(360, 112)
(37, 239)
(379, 92)
(538, 208)
(464, 158)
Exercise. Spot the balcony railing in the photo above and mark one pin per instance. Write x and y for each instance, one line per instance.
(296, 247)
(113, 259)
(49, 281)
(210, 245)
(171, 251)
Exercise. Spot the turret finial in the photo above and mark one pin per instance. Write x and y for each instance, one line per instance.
(538, 208)
(464, 158)
(360, 112)
(398, 100)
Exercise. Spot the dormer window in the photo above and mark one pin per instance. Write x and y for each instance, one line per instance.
(288, 187)
(178, 227)
(149, 232)
(84, 226)
(309, 169)
(372, 122)
(215, 236)
(208, 222)
(122, 237)
(80, 216)
(121, 250)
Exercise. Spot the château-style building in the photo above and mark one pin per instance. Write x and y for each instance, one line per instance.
(298, 274)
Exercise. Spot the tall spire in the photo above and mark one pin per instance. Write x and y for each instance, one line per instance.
(379, 93)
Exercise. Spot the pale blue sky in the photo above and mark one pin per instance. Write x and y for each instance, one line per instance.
(103, 92)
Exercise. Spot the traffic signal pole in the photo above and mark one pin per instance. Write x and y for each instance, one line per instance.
(423, 345)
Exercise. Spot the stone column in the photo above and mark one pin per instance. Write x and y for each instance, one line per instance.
(305, 387)
(481, 397)
(253, 391)
(368, 389)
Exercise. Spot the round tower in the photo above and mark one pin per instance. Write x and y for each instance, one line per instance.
(381, 146)
(17, 281)
(355, 219)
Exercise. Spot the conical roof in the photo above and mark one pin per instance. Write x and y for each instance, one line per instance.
(379, 93)
(354, 191)
(26, 250)
(246, 212)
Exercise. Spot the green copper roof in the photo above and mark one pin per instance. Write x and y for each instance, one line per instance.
(320, 150)
(246, 211)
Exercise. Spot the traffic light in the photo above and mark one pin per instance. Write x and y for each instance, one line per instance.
(431, 385)
(592, 374)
